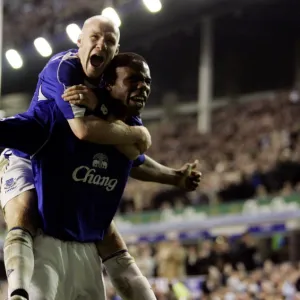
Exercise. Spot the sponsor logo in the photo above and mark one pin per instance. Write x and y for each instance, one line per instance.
(100, 161)
(10, 184)
(88, 175)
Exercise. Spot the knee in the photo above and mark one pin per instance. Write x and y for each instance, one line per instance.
(127, 278)
(19, 235)
(122, 266)
(22, 212)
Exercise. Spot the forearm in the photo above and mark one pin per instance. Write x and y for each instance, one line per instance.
(96, 130)
(153, 171)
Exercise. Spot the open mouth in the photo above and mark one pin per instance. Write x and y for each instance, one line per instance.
(96, 60)
(139, 100)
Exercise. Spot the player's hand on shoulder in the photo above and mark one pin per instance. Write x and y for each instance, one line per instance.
(81, 95)
(144, 140)
(188, 176)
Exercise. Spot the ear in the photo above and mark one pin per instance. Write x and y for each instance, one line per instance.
(79, 41)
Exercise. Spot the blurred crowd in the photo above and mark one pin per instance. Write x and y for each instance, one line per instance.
(252, 151)
(230, 271)
(52, 17)
(220, 269)
(270, 282)
(172, 259)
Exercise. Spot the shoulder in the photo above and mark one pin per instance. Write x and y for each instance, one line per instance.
(65, 67)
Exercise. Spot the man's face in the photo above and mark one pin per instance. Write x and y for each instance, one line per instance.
(98, 44)
(132, 87)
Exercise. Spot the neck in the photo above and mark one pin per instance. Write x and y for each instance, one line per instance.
(94, 82)
(119, 109)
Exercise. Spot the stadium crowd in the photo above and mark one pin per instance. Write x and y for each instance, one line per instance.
(61, 13)
(225, 269)
(230, 270)
(252, 151)
(172, 259)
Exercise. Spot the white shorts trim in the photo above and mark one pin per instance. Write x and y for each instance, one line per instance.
(17, 177)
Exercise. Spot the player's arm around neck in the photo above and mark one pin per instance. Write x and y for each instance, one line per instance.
(96, 130)
(88, 128)
(153, 171)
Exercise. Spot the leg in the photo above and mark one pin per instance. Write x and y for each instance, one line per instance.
(86, 278)
(50, 266)
(121, 268)
(18, 252)
(112, 243)
(18, 201)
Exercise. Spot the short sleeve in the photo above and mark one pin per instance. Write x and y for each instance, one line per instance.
(57, 76)
(139, 161)
(137, 121)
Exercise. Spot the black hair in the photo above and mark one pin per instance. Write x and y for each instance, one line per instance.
(124, 59)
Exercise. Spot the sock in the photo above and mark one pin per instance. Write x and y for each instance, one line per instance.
(127, 278)
(18, 260)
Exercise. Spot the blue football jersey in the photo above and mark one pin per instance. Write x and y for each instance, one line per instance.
(79, 184)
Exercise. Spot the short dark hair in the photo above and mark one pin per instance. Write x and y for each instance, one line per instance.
(123, 59)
